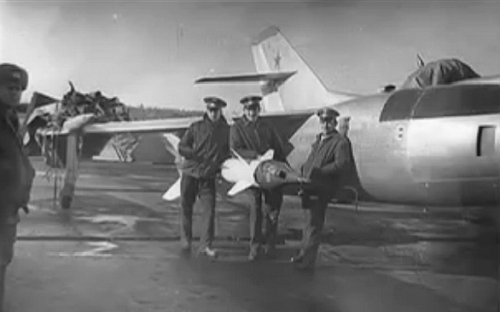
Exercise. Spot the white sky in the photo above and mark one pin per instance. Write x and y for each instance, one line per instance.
(130, 49)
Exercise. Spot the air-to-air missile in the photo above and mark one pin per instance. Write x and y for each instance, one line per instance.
(263, 172)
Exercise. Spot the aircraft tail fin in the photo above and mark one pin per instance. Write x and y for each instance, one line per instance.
(272, 52)
(287, 81)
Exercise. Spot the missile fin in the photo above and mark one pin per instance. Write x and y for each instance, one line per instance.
(239, 187)
(267, 156)
(173, 192)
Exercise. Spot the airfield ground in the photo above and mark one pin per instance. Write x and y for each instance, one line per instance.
(117, 250)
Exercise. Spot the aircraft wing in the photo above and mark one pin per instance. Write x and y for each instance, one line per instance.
(286, 121)
(143, 126)
(277, 76)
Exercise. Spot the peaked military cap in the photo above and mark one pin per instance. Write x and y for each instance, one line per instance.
(10, 73)
(251, 100)
(327, 112)
(214, 102)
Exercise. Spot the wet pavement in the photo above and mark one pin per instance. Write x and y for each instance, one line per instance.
(117, 250)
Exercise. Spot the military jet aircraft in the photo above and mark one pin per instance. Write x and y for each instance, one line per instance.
(435, 143)
(421, 144)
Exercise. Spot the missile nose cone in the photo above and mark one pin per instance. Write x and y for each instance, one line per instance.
(289, 175)
(273, 173)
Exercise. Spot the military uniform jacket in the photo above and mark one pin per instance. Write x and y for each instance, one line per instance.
(205, 146)
(328, 164)
(250, 139)
(16, 171)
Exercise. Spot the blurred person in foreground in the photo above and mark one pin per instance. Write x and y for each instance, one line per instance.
(16, 171)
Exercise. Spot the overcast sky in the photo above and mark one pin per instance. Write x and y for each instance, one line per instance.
(151, 52)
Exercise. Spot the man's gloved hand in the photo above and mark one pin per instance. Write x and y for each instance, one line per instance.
(25, 197)
(187, 153)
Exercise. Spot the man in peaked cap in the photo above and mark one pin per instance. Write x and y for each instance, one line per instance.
(14, 80)
(214, 103)
(16, 171)
(251, 100)
(251, 137)
(325, 168)
(327, 112)
(205, 146)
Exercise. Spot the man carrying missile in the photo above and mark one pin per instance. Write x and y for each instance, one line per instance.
(250, 136)
(325, 172)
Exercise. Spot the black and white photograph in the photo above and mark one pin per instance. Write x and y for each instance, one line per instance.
(250, 156)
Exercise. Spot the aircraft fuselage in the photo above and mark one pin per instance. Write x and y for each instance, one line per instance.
(436, 146)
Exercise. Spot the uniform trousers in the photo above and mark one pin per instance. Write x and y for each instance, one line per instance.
(315, 211)
(204, 188)
(264, 213)
(8, 232)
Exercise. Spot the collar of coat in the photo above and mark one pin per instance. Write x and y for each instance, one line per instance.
(222, 120)
(250, 122)
(322, 137)
(7, 112)
(5, 109)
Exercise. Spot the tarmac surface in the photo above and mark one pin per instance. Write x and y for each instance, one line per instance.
(117, 249)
